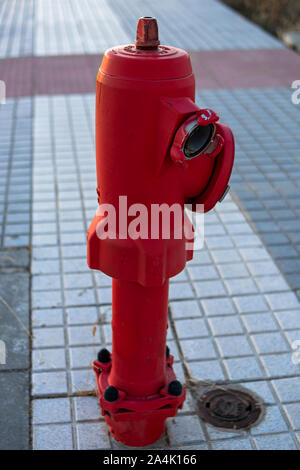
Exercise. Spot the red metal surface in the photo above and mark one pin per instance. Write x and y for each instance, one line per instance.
(139, 337)
(143, 96)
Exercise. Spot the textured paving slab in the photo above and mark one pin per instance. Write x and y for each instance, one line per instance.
(233, 317)
(14, 406)
(14, 318)
(15, 335)
(267, 167)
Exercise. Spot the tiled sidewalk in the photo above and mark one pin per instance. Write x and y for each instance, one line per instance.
(95, 25)
(266, 175)
(233, 317)
(16, 32)
(53, 27)
(15, 172)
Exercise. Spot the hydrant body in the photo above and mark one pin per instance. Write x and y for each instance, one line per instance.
(146, 125)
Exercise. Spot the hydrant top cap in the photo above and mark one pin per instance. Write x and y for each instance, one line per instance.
(146, 59)
(147, 33)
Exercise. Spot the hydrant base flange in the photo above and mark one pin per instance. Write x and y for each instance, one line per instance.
(137, 421)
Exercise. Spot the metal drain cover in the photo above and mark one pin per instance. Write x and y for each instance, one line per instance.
(230, 408)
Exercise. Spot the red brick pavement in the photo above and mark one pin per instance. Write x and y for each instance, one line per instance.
(28, 76)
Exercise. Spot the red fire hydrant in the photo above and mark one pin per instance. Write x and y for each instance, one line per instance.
(154, 147)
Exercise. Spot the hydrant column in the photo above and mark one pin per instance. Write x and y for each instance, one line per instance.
(139, 326)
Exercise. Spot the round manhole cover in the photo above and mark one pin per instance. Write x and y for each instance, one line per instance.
(232, 409)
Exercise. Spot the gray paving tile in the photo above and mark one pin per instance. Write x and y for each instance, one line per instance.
(234, 346)
(195, 327)
(46, 337)
(181, 290)
(227, 325)
(251, 303)
(51, 410)
(83, 380)
(272, 422)
(283, 301)
(93, 436)
(269, 343)
(241, 286)
(289, 319)
(262, 389)
(105, 295)
(210, 288)
(81, 315)
(46, 282)
(79, 335)
(233, 270)
(219, 433)
(275, 442)
(82, 296)
(243, 368)
(223, 256)
(293, 413)
(203, 272)
(49, 383)
(87, 409)
(42, 267)
(14, 315)
(198, 349)
(184, 429)
(83, 356)
(233, 444)
(222, 306)
(288, 389)
(42, 318)
(272, 283)
(208, 370)
(46, 299)
(48, 359)
(185, 309)
(255, 254)
(257, 322)
(280, 365)
(52, 437)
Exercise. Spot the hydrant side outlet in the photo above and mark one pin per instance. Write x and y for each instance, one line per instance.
(154, 147)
